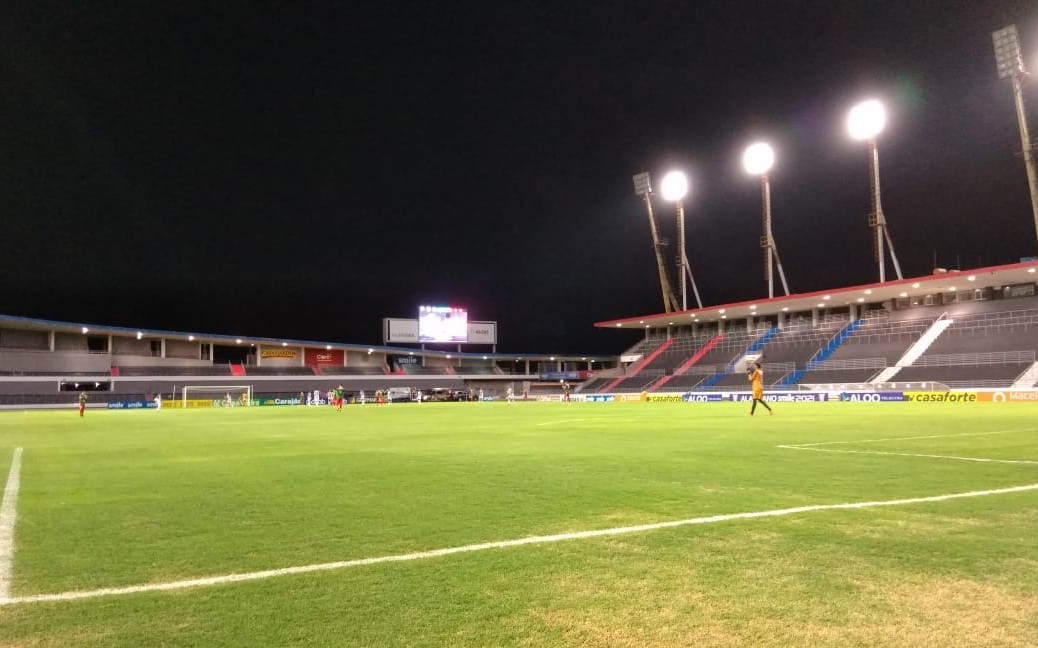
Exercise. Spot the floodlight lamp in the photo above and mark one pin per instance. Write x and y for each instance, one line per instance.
(85, 330)
(642, 184)
(758, 158)
(674, 186)
(1008, 59)
(866, 120)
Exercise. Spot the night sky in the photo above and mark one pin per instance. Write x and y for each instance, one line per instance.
(303, 170)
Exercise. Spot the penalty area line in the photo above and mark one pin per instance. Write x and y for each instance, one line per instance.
(8, 513)
(532, 540)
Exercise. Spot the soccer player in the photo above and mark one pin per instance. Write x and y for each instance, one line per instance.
(82, 402)
(158, 402)
(338, 398)
(566, 387)
(756, 379)
(510, 395)
(227, 402)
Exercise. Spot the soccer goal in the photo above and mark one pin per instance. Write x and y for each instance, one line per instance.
(221, 395)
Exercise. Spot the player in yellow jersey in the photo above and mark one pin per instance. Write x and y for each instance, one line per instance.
(756, 378)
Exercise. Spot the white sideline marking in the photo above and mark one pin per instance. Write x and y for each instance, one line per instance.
(913, 454)
(799, 446)
(7, 516)
(305, 569)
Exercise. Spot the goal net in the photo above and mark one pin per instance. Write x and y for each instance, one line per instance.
(220, 395)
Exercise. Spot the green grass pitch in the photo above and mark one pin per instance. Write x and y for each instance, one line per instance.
(121, 499)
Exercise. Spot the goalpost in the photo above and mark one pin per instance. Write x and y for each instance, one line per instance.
(221, 395)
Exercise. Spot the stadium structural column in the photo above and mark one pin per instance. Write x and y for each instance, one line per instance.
(878, 220)
(1010, 64)
(1028, 148)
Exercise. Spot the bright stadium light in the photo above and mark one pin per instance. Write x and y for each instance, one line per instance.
(864, 122)
(757, 159)
(674, 186)
(1010, 63)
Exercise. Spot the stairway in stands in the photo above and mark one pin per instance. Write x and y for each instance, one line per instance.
(823, 354)
(696, 357)
(919, 348)
(712, 380)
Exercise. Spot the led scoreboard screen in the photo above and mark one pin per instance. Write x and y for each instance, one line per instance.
(443, 324)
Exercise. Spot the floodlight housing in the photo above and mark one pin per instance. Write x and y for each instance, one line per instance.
(866, 120)
(674, 186)
(758, 158)
(1008, 59)
(642, 184)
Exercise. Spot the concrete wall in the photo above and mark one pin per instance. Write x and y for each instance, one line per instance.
(131, 346)
(363, 359)
(70, 342)
(15, 339)
(182, 349)
(71, 362)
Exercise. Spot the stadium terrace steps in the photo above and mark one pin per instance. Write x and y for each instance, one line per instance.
(924, 342)
(729, 369)
(641, 365)
(237, 370)
(823, 354)
(917, 349)
(1028, 378)
(696, 357)
(279, 371)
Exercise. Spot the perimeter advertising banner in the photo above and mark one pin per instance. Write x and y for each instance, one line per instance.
(785, 397)
(405, 331)
(873, 397)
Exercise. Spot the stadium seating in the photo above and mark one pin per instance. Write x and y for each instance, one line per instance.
(278, 371)
(165, 370)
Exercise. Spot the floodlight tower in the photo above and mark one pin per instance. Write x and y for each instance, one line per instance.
(1011, 65)
(758, 160)
(864, 123)
(674, 187)
(643, 188)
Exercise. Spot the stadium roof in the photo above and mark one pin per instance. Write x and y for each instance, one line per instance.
(939, 282)
(29, 323)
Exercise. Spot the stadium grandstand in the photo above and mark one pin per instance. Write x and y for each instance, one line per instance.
(952, 329)
(972, 329)
(47, 363)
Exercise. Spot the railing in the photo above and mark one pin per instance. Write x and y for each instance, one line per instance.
(851, 363)
(990, 357)
(927, 385)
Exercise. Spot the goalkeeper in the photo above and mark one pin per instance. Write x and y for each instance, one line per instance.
(756, 378)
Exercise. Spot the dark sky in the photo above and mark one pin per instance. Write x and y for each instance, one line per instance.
(306, 169)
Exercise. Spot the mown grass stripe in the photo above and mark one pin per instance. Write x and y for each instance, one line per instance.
(305, 569)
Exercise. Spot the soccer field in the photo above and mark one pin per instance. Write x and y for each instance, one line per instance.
(468, 524)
